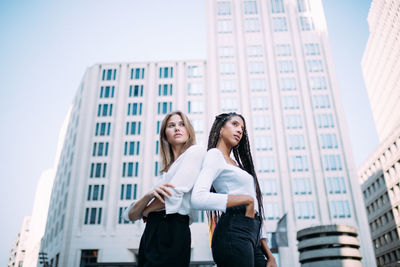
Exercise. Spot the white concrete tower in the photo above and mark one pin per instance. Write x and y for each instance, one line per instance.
(271, 61)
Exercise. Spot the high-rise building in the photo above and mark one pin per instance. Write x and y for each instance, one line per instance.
(380, 173)
(17, 253)
(272, 62)
(380, 65)
(269, 60)
(111, 157)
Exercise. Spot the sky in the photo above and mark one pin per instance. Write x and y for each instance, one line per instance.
(46, 47)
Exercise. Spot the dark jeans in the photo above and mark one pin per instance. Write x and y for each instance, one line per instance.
(236, 240)
(165, 241)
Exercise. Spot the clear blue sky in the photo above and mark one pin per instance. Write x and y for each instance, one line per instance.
(47, 45)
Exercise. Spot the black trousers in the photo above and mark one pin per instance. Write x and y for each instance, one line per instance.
(165, 241)
(236, 240)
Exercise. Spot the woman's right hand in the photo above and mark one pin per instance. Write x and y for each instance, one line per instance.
(161, 192)
(237, 200)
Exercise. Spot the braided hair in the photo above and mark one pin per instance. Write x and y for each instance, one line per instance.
(242, 155)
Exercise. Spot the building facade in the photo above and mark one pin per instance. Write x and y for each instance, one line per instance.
(17, 253)
(270, 61)
(380, 173)
(380, 65)
(273, 64)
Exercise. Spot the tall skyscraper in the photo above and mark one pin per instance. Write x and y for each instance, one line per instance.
(269, 60)
(272, 62)
(380, 173)
(380, 65)
(17, 253)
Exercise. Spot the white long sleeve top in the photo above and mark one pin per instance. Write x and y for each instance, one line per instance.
(226, 179)
(182, 174)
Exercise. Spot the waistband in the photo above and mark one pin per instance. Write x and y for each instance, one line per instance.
(239, 211)
(158, 216)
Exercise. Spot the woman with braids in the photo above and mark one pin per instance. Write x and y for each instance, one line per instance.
(234, 198)
(166, 208)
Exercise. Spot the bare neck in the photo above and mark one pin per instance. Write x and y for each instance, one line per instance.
(177, 150)
(224, 148)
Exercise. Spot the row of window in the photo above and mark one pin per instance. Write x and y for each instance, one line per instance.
(95, 192)
(386, 239)
(380, 181)
(100, 149)
(377, 204)
(129, 148)
(133, 128)
(134, 109)
(390, 257)
(250, 7)
(381, 221)
(104, 110)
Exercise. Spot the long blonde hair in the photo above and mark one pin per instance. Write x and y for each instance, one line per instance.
(166, 153)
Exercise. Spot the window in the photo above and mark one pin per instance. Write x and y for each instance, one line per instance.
(227, 85)
(261, 122)
(198, 125)
(288, 84)
(164, 107)
(268, 187)
(95, 192)
(102, 128)
(290, 102)
(296, 142)
(293, 122)
(195, 106)
(226, 52)
(256, 67)
(200, 217)
(224, 26)
(283, 50)
(195, 88)
(285, 66)
(129, 148)
(137, 73)
(305, 210)
(104, 110)
(260, 103)
(311, 49)
(250, 7)
(277, 6)
(263, 143)
(106, 91)
(298, 163)
(223, 8)
(88, 256)
(321, 101)
(318, 83)
(258, 85)
(340, 209)
(166, 72)
(156, 168)
(315, 65)
(325, 121)
(303, 5)
(130, 169)
(100, 149)
(265, 164)
(128, 192)
(135, 90)
(109, 74)
(255, 51)
(164, 89)
(279, 24)
(302, 186)
(272, 209)
(194, 71)
(332, 162)
(328, 141)
(336, 185)
(306, 24)
(252, 25)
(229, 104)
(227, 68)
(93, 215)
(133, 128)
(98, 170)
(135, 109)
(121, 220)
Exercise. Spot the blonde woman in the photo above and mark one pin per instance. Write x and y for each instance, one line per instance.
(166, 208)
